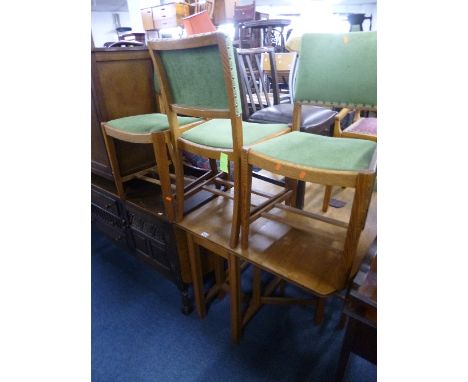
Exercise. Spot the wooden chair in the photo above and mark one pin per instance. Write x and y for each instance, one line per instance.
(198, 79)
(360, 128)
(243, 13)
(150, 129)
(198, 23)
(207, 6)
(253, 65)
(252, 70)
(333, 67)
(285, 66)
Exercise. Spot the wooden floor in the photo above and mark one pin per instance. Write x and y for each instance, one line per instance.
(311, 259)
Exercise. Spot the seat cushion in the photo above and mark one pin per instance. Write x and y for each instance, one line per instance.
(314, 119)
(146, 123)
(217, 133)
(345, 154)
(366, 126)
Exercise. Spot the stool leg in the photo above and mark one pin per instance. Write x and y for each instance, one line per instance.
(234, 283)
(197, 278)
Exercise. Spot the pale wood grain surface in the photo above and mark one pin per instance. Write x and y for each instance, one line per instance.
(314, 261)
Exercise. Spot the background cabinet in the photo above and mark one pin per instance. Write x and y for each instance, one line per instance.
(164, 16)
(147, 18)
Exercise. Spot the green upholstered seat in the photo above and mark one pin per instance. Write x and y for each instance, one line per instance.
(217, 133)
(318, 151)
(146, 123)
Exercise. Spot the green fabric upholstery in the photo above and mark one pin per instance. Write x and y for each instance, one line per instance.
(338, 69)
(217, 133)
(318, 151)
(196, 77)
(146, 123)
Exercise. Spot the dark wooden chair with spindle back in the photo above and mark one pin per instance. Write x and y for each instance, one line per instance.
(255, 88)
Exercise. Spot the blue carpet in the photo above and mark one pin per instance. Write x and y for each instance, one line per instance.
(140, 335)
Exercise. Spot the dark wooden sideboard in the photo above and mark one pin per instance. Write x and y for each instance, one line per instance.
(122, 85)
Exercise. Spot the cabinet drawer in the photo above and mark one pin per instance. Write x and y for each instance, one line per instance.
(109, 224)
(105, 202)
(169, 22)
(154, 249)
(168, 10)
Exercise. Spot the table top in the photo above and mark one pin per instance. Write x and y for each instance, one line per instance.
(267, 23)
(311, 261)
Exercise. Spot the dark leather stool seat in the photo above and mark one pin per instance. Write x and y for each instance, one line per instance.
(315, 119)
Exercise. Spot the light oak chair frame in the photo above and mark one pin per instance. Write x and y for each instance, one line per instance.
(180, 144)
(340, 133)
(162, 146)
(361, 181)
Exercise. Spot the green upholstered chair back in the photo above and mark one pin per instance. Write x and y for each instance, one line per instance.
(338, 70)
(199, 71)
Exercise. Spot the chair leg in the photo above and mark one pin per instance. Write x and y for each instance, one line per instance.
(214, 170)
(197, 278)
(367, 204)
(300, 194)
(110, 146)
(234, 283)
(326, 198)
(236, 221)
(179, 171)
(162, 166)
(291, 184)
(246, 177)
